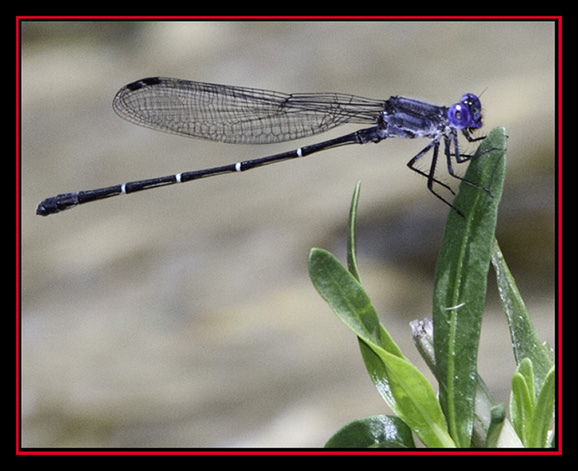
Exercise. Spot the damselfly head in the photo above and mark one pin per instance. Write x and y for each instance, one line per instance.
(467, 113)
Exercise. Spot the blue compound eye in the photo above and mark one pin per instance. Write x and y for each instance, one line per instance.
(475, 106)
(459, 116)
(471, 101)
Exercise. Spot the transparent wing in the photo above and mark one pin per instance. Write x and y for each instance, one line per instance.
(237, 114)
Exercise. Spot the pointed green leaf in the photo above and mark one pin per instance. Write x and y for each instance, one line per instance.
(537, 432)
(460, 285)
(526, 369)
(345, 295)
(415, 401)
(351, 241)
(532, 414)
(522, 398)
(525, 341)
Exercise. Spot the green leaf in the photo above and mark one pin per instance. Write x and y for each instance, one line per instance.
(377, 372)
(415, 401)
(382, 431)
(345, 295)
(373, 363)
(532, 413)
(526, 370)
(543, 413)
(460, 284)
(525, 341)
(522, 398)
(351, 241)
(402, 385)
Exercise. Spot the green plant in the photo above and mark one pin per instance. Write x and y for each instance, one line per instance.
(463, 414)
